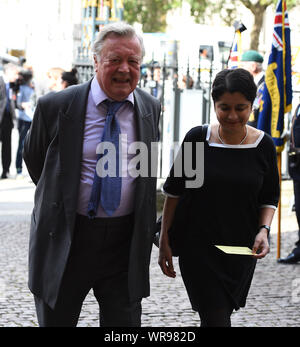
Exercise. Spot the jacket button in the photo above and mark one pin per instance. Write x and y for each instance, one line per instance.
(51, 234)
(55, 204)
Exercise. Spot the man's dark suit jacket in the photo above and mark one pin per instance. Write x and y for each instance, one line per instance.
(52, 153)
(3, 102)
(3, 98)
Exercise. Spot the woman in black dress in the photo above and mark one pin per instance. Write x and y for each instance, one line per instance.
(234, 206)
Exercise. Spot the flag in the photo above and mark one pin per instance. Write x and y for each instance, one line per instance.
(235, 53)
(277, 93)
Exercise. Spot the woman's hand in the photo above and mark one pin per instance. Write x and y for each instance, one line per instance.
(165, 253)
(261, 245)
(165, 259)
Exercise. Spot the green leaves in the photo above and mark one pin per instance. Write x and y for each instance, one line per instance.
(150, 13)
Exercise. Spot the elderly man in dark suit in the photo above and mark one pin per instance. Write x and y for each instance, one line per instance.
(2, 97)
(7, 115)
(90, 229)
(253, 62)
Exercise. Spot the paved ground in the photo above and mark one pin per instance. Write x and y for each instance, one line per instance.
(274, 298)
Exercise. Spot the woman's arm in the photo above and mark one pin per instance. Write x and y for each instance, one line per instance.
(165, 252)
(268, 199)
(261, 243)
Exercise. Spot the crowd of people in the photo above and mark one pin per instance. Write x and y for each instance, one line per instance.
(94, 229)
(18, 99)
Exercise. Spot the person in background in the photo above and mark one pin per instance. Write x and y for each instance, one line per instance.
(55, 79)
(186, 82)
(154, 85)
(7, 114)
(26, 105)
(252, 61)
(69, 78)
(294, 171)
(89, 229)
(234, 206)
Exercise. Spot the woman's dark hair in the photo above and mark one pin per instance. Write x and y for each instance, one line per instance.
(25, 76)
(231, 81)
(70, 77)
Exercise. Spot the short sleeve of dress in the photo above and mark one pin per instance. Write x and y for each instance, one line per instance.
(176, 181)
(174, 186)
(269, 194)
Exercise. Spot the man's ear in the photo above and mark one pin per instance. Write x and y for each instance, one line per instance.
(95, 63)
(253, 67)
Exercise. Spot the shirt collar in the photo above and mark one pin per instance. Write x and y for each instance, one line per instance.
(99, 95)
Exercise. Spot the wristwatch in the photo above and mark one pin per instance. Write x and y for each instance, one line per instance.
(264, 226)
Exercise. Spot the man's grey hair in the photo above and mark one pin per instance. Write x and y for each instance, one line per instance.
(258, 66)
(119, 28)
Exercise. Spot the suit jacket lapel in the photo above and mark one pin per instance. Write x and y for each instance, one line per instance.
(70, 132)
(144, 120)
(144, 127)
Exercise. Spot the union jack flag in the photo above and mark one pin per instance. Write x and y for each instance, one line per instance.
(235, 53)
(277, 93)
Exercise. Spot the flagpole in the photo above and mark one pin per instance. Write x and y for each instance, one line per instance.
(279, 208)
(283, 53)
(277, 93)
(231, 48)
(284, 110)
(239, 47)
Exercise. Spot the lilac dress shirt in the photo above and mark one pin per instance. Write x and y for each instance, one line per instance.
(94, 125)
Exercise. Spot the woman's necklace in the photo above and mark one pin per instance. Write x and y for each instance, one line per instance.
(219, 136)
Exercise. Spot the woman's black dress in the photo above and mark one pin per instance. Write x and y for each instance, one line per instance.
(238, 181)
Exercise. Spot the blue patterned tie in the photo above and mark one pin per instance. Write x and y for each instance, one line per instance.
(107, 190)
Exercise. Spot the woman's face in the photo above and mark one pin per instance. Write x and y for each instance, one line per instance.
(233, 110)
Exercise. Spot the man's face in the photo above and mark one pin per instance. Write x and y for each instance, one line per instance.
(249, 66)
(118, 67)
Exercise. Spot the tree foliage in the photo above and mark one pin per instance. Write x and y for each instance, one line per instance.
(150, 13)
(200, 9)
(228, 11)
